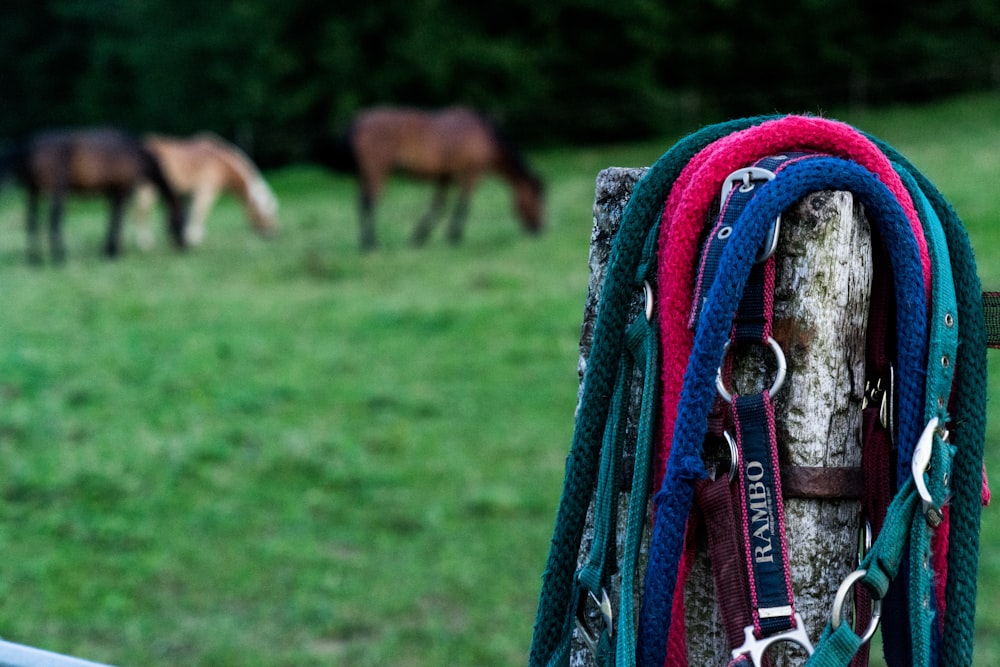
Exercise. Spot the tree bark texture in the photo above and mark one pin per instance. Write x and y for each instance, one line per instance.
(820, 316)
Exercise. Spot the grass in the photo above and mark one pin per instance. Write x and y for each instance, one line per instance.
(284, 452)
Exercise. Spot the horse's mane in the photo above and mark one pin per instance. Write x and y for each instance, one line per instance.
(255, 188)
(335, 152)
(514, 161)
(231, 153)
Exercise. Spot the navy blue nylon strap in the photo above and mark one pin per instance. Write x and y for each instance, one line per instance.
(684, 467)
(760, 498)
(762, 513)
(729, 210)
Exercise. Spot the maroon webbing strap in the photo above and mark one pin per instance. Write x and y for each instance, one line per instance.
(876, 438)
(725, 554)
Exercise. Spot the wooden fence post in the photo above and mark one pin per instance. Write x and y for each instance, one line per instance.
(821, 307)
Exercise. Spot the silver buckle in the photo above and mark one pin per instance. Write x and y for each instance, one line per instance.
(883, 394)
(919, 464)
(746, 177)
(591, 638)
(756, 648)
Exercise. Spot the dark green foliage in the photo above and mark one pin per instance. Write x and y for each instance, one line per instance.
(276, 74)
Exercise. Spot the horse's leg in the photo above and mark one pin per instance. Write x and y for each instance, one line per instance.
(145, 198)
(56, 246)
(369, 191)
(194, 232)
(456, 226)
(112, 244)
(31, 226)
(426, 223)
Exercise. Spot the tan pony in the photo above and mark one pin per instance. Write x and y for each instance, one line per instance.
(202, 167)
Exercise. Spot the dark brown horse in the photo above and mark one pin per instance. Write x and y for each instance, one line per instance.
(454, 146)
(90, 161)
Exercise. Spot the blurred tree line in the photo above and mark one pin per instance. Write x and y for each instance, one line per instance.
(274, 75)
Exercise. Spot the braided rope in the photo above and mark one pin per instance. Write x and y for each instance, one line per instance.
(685, 181)
(688, 205)
(554, 619)
(968, 431)
(684, 466)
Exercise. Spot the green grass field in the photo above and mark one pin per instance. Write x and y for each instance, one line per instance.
(281, 453)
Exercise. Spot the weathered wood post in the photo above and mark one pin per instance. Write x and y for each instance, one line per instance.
(821, 306)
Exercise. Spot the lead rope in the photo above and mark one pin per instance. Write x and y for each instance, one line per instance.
(556, 616)
(933, 461)
(610, 644)
(968, 431)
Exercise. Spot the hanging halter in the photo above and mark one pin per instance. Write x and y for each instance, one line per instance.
(923, 561)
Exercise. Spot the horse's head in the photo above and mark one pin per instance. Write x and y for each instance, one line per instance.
(528, 201)
(263, 207)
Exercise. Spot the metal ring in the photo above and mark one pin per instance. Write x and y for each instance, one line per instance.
(648, 293)
(779, 378)
(734, 455)
(865, 540)
(922, 458)
(837, 614)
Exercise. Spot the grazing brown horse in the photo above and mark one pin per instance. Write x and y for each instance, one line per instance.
(453, 146)
(91, 161)
(204, 166)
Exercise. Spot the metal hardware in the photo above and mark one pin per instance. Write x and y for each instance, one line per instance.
(734, 455)
(771, 242)
(882, 394)
(865, 540)
(921, 460)
(779, 378)
(756, 648)
(746, 177)
(837, 614)
(647, 291)
(877, 394)
(591, 638)
(774, 612)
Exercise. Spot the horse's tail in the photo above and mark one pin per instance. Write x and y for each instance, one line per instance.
(336, 152)
(13, 161)
(175, 215)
